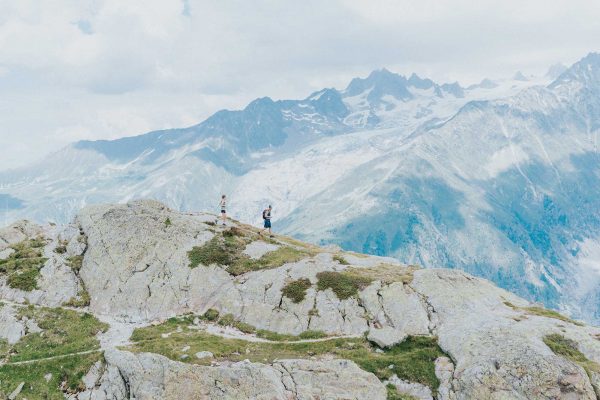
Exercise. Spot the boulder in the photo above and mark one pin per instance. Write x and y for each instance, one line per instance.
(386, 336)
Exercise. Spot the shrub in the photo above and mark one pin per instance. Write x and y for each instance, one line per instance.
(228, 250)
(217, 250)
(344, 285)
(312, 335)
(168, 222)
(75, 262)
(23, 266)
(211, 315)
(296, 290)
(340, 259)
(227, 320)
(565, 347)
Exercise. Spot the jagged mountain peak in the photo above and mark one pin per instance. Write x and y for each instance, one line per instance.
(519, 76)
(485, 83)
(584, 73)
(556, 70)
(379, 83)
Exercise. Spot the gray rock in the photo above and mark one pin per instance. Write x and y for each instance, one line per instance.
(204, 354)
(4, 254)
(496, 356)
(17, 232)
(11, 328)
(76, 246)
(31, 326)
(444, 370)
(258, 248)
(416, 390)
(149, 376)
(16, 392)
(91, 379)
(386, 336)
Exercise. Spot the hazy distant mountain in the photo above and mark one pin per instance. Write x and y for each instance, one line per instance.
(500, 178)
(555, 71)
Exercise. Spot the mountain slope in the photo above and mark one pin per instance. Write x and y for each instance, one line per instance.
(166, 305)
(506, 189)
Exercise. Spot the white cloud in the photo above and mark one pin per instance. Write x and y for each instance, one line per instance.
(155, 64)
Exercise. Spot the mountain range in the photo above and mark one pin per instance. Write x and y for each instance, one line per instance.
(500, 179)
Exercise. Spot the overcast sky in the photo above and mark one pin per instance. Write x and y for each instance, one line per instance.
(72, 70)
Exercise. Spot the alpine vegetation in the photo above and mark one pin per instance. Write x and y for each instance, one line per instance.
(126, 307)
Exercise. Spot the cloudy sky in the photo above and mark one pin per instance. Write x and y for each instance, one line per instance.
(80, 69)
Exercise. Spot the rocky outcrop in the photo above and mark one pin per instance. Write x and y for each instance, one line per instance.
(150, 376)
(136, 270)
(18, 232)
(57, 283)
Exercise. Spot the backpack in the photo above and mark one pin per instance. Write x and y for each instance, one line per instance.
(264, 214)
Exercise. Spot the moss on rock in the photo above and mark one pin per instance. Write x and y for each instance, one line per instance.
(296, 290)
(22, 267)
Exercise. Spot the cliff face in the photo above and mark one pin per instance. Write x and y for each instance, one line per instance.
(181, 307)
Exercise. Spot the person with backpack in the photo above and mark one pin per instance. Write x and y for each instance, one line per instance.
(223, 205)
(267, 221)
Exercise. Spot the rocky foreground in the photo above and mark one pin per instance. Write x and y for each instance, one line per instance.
(139, 301)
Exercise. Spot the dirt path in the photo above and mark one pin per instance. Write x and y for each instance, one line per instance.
(232, 333)
(53, 357)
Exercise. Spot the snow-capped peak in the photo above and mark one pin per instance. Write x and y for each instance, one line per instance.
(584, 73)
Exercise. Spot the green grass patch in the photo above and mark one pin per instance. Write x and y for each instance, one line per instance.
(393, 394)
(220, 250)
(64, 332)
(343, 284)
(168, 222)
(69, 369)
(543, 312)
(340, 259)
(4, 348)
(229, 320)
(82, 300)
(296, 290)
(567, 348)
(211, 315)
(312, 335)
(272, 259)
(227, 250)
(282, 337)
(385, 273)
(412, 360)
(23, 266)
(75, 262)
(62, 247)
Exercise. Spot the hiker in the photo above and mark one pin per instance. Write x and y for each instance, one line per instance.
(267, 218)
(223, 205)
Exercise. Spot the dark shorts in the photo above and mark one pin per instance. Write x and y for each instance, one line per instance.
(223, 212)
(267, 223)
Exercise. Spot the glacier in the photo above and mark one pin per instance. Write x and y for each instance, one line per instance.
(500, 179)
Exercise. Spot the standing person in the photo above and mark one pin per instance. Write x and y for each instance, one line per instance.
(223, 205)
(267, 219)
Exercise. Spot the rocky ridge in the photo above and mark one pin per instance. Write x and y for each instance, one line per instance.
(186, 308)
